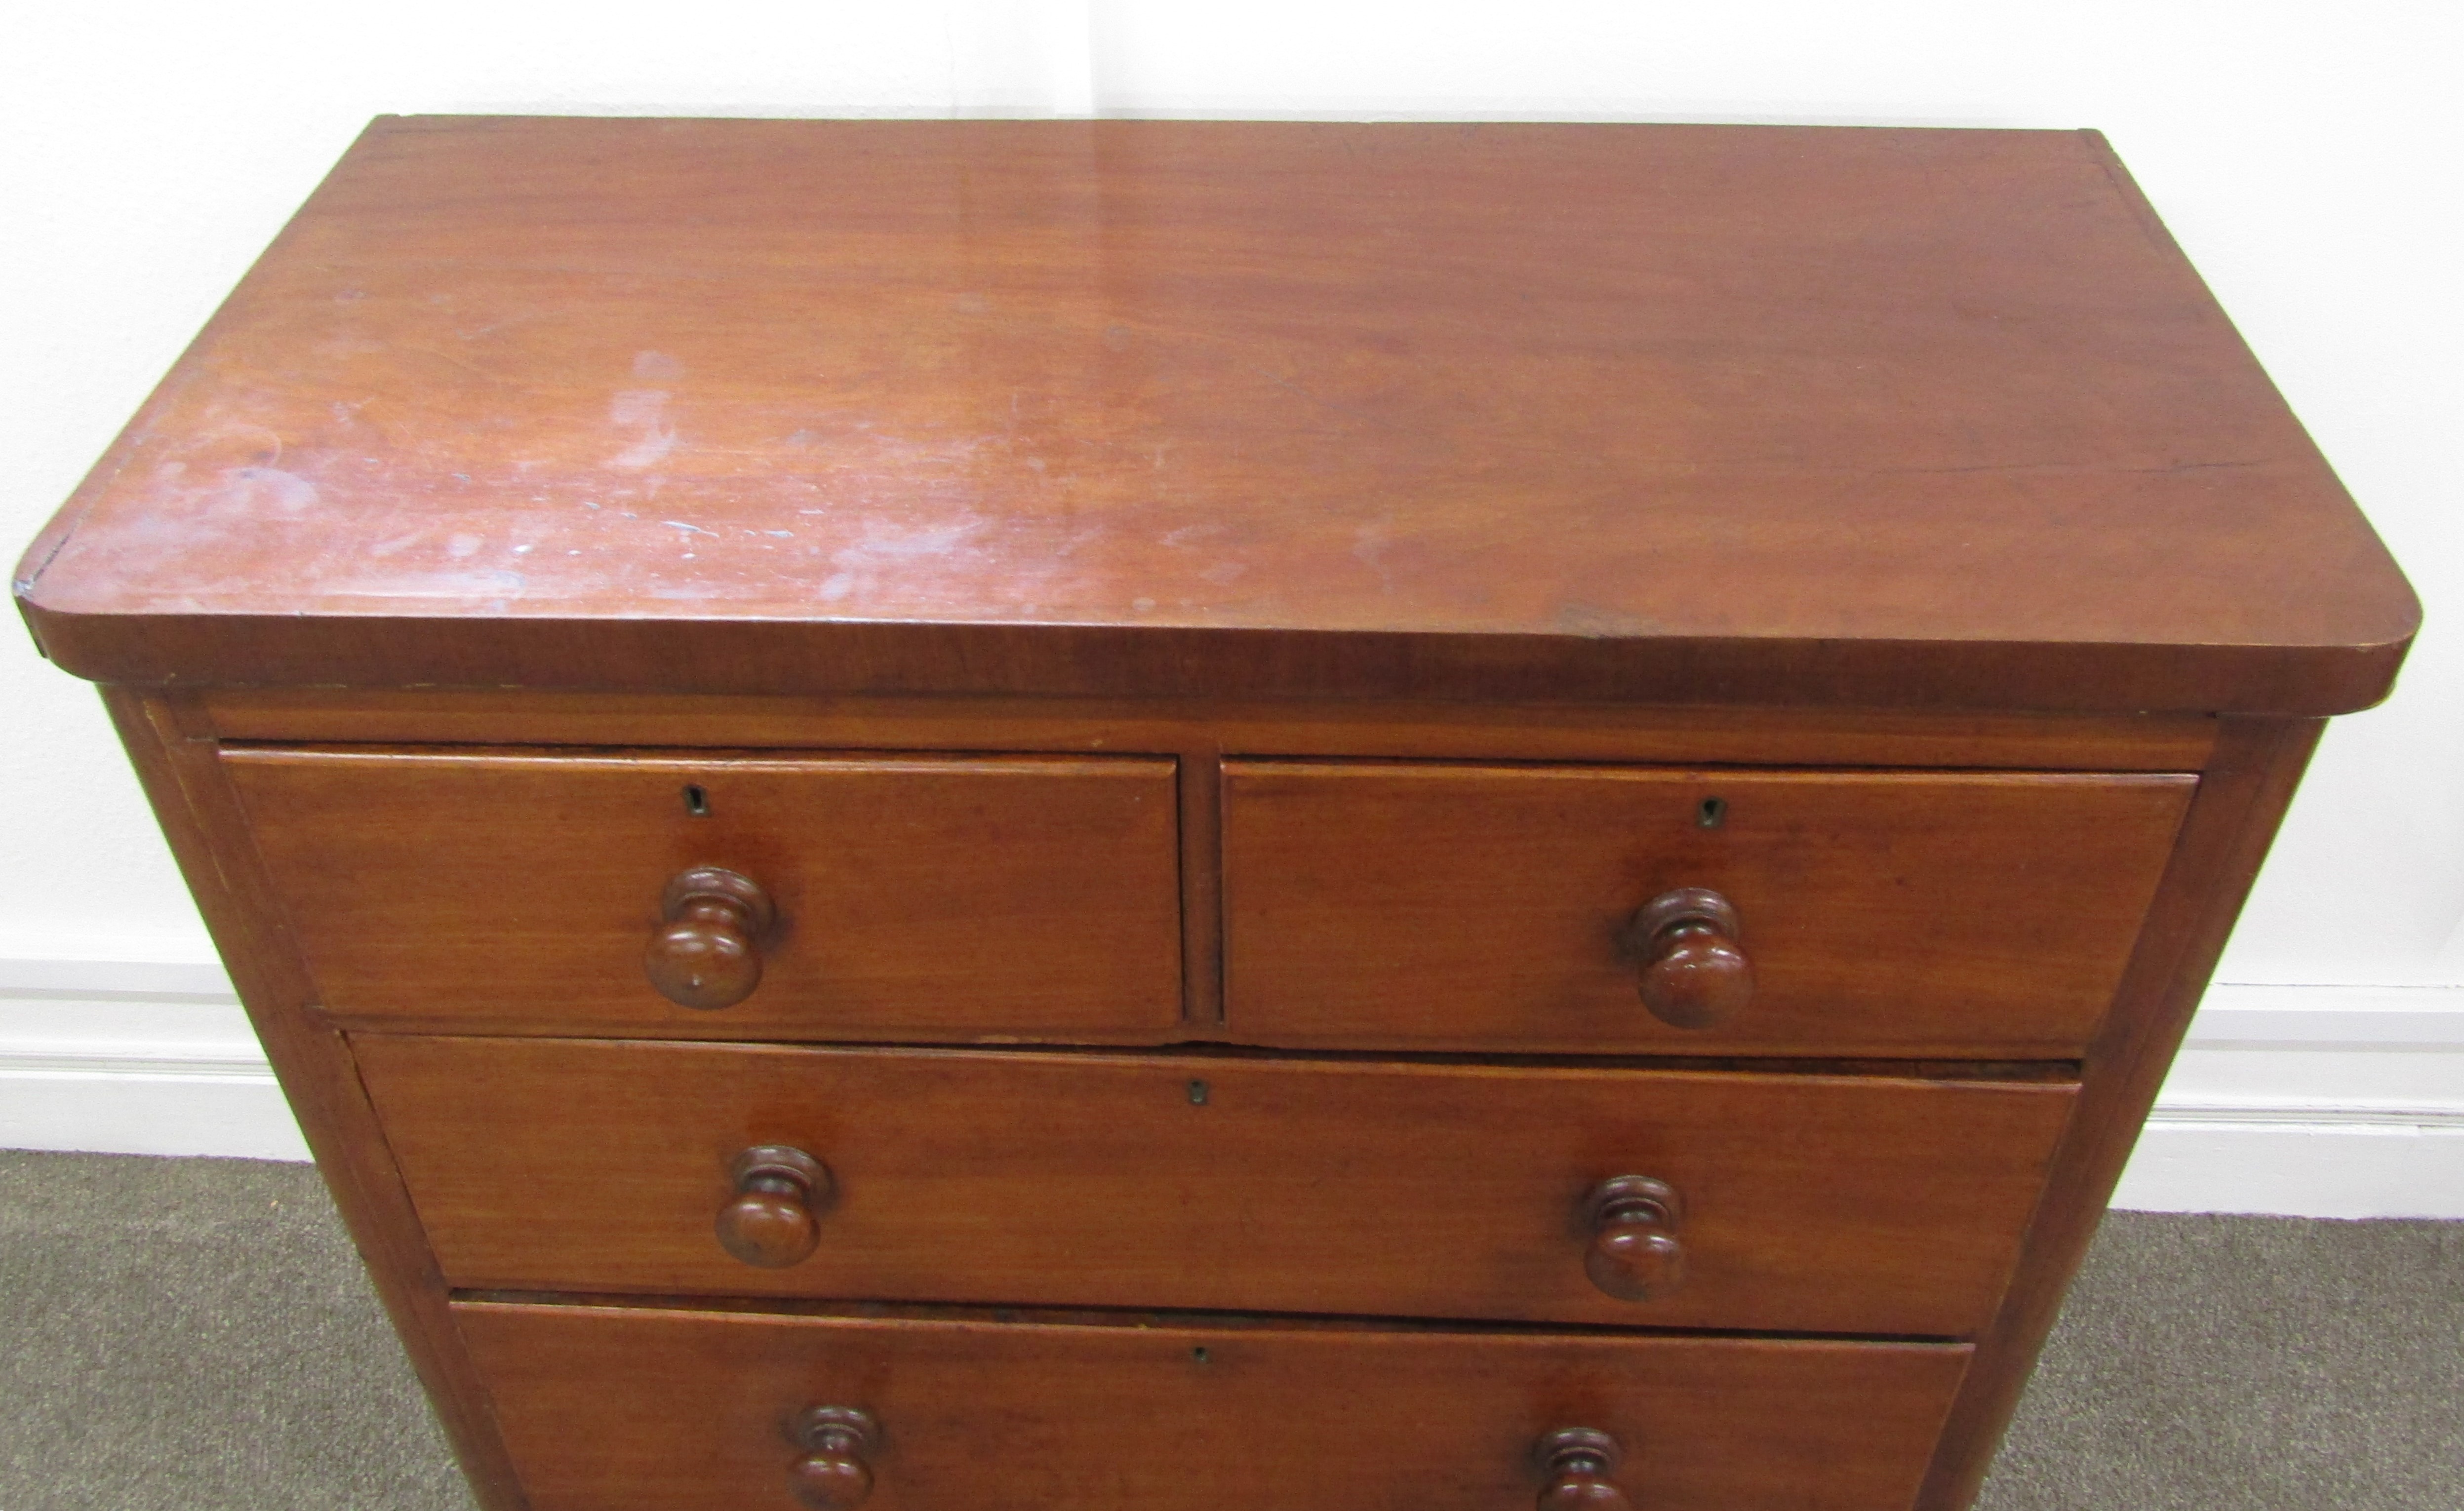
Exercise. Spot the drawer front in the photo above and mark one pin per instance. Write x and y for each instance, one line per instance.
(933, 897)
(1801, 1203)
(608, 1409)
(1880, 913)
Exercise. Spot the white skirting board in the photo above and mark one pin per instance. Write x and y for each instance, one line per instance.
(2303, 1101)
(122, 1057)
(2311, 1102)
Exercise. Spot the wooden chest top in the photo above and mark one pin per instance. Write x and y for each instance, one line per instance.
(1629, 413)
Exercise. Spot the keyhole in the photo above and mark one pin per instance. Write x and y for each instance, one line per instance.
(696, 801)
(1713, 813)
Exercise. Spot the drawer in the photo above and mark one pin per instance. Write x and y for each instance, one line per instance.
(907, 896)
(1797, 1203)
(608, 1409)
(1875, 913)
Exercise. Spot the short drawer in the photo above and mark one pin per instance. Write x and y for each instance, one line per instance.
(897, 896)
(608, 1409)
(1876, 913)
(1796, 1203)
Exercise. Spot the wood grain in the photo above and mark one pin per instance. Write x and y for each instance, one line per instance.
(1060, 563)
(1501, 731)
(610, 1409)
(931, 897)
(1600, 413)
(1958, 915)
(2242, 798)
(1810, 1203)
(175, 762)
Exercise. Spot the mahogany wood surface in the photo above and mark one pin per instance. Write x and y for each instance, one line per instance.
(1637, 1253)
(1497, 732)
(949, 896)
(1813, 1204)
(1576, 1465)
(840, 1443)
(778, 1196)
(1691, 970)
(1977, 915)
(1670, 719)
(625, 1410)
(1764, 415)
(716, 923)
(174, 755)
(2242, 798)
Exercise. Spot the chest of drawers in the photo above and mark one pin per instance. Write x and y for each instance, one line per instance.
(936, 814)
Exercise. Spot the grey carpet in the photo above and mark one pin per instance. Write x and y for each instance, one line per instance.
(196, 1335)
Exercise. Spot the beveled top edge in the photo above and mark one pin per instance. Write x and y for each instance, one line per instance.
(828, 659)
(1707, 498)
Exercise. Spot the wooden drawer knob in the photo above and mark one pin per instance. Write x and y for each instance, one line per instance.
(708, 953)
(1575, 1464)
(773, 1220)
(840, 1443)
(1695, 973)
(1634, 1254)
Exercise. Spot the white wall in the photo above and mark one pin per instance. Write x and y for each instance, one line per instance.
(2305, 155)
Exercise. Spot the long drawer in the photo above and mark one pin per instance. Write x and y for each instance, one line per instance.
(1793, 1202)
(609, 1409)
(859, 896)
(1943, 914)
